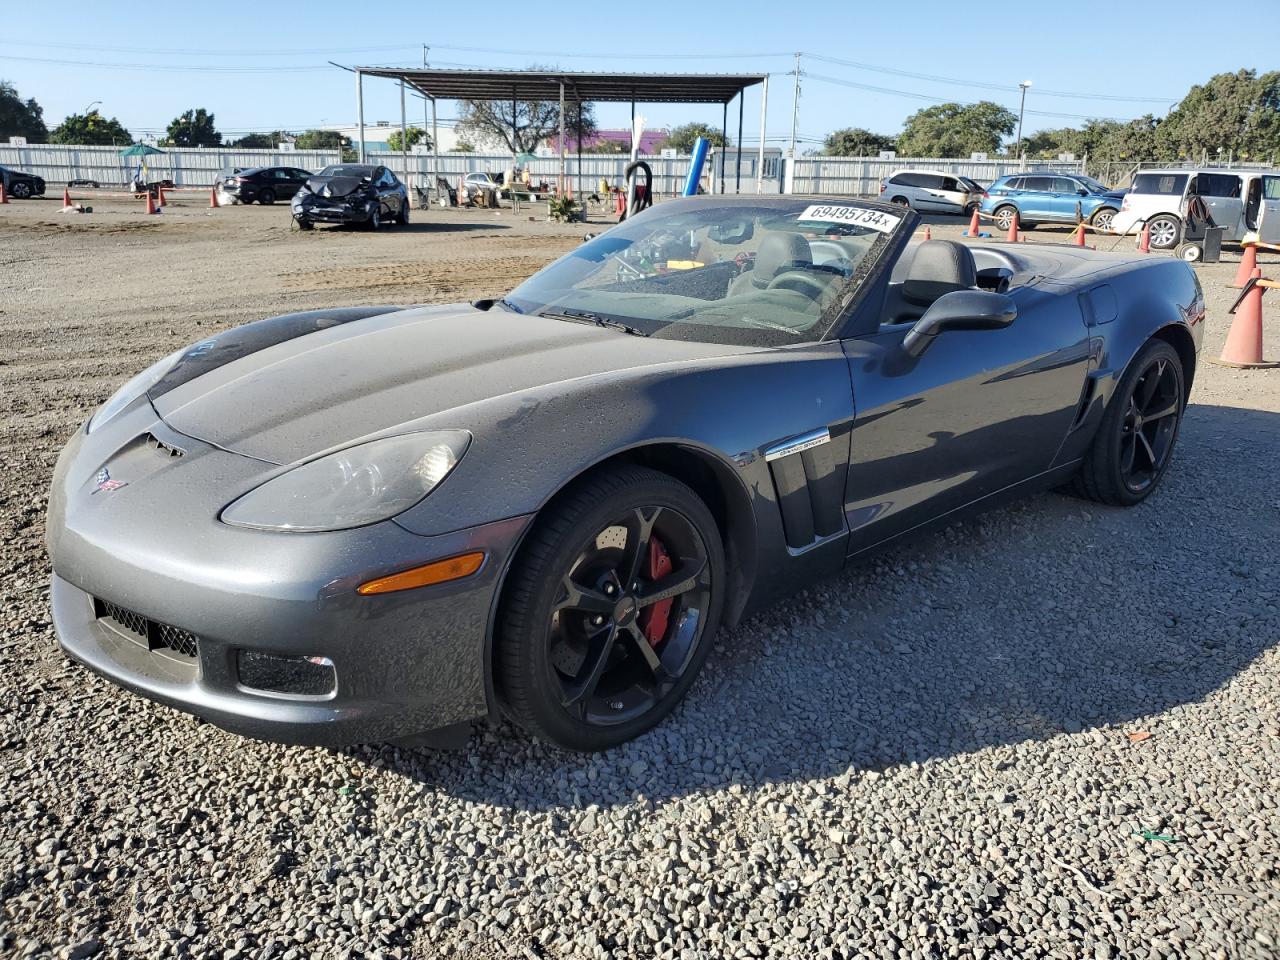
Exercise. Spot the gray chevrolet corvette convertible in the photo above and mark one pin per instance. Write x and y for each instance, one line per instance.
(366, 524)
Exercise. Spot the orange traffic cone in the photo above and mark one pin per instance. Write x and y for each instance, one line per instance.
(928, 234)
(4, 197)
(213, 198)
(973, 224)
(66, 196)
(1013, 229)
(1248, 264)
(160, 200)
(1144, 241)
(1244, 340)
(151, 203)
(1079, 241)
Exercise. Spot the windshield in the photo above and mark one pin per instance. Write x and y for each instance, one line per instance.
(759, 271)
(347, 170)
(1093, 185)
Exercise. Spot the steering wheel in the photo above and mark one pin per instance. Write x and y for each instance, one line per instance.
(800, 282)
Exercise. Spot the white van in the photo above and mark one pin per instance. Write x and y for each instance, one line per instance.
(927, 191)
(1243, 202)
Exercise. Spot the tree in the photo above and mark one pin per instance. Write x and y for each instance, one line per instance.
(1098, 140)
(463, 146)
(415, 135)
(193, 129)
(490, 121)
(1239, 112)
(90, 129)
(261, 141)
(20, 118)
(681, 138)
(956, 130)
(855, 142)
(326, 140)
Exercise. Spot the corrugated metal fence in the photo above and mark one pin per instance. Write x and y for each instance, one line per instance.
(669, 173)
(861, 176)
(185, 166)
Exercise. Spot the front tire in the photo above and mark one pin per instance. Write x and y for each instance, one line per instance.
(403, 218)
(610, 609)
(266, 197)
(1101, 219)
(1134, 443)
(21, 191)
(375, 219)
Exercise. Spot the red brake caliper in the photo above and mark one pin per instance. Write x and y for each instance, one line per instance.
(653, 620)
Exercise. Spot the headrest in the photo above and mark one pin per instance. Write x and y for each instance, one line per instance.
(939, 267)
(778, 252)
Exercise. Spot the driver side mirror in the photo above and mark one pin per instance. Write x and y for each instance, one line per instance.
(960, 310)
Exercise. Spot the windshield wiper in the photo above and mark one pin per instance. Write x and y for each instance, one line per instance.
(583, 316)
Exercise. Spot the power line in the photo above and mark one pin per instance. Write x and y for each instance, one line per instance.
(923, 96)
(1008, 88)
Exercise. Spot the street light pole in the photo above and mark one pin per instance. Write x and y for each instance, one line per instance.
(795, 108)
(1021, 110)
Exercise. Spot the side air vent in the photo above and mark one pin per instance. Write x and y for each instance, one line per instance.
(808, 487)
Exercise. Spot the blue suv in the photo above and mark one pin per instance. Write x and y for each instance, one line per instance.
(1050, 198)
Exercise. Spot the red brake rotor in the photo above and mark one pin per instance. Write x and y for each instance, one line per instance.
(655, 619)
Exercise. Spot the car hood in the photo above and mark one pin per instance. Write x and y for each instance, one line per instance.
(334, 186)
(334, 385)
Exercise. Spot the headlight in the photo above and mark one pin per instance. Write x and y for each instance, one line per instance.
(134, 389)
(351, 488)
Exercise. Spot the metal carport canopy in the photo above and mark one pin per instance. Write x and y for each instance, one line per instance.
(584, 87)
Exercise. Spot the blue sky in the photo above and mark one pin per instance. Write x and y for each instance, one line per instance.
(1085, 59)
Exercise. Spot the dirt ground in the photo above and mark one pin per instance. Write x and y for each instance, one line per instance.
(88, 300)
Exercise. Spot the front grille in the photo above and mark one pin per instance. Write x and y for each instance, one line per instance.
(149, 633)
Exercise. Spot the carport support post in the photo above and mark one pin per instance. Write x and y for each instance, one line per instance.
(562, 182)
(360, 108)
(764, 115)
(737, 163)
(435, 142)
(724, 143)
(404, 140)
(579, 126)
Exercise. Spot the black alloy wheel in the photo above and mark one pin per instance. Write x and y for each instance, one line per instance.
(1135, 440)
(610, 610)
(266, 196)
(21, 190)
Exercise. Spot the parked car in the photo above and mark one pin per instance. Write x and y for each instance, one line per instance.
(264, 185)
(19, 185)
(1050, 198)
(1242, 202)
(395, 519)
(931, 192)
(352, 193)
(474, 183)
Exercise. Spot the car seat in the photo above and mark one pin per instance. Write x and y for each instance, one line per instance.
(932, 269)
(778, 253)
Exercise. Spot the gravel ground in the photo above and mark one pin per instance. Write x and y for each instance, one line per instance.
(1053, 730)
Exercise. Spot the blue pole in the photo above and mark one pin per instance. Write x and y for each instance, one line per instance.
(695, 166)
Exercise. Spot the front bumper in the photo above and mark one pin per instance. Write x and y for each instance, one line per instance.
(405, 663)
(322, 211)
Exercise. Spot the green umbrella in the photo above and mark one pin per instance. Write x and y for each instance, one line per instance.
(139, 150)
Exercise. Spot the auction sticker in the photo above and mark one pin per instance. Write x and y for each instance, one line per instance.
(854, 216)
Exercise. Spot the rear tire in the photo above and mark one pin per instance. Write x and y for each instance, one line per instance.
(1003, 217)
(1165, 232)
(577, 669)
(902, 202)
(1134, 443)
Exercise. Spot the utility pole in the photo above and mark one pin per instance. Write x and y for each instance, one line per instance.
(795, 108)
(1021, 110)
